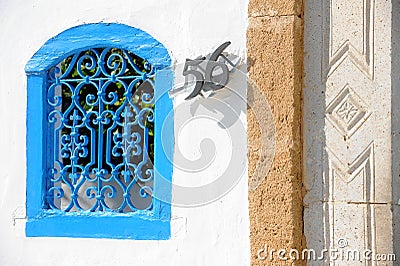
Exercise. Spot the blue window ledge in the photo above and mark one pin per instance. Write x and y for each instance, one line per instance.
(152, 224)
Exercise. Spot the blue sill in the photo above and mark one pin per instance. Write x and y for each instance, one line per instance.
(99, 226)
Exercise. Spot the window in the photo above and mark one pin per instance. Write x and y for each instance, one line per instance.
(96, 166)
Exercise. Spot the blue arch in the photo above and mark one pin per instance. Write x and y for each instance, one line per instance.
(98, 35)
(137, 225)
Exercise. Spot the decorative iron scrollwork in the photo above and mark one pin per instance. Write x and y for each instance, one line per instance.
(100, 129)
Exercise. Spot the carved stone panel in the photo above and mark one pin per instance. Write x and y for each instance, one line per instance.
(347, 112)
(347, 127)
(348, 29)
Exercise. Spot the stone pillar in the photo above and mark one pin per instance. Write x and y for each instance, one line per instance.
(275, 65)
(347, 128)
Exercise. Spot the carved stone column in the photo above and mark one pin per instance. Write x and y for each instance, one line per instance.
(347, 128)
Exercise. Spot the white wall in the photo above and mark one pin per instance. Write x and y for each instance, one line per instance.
(213, 234)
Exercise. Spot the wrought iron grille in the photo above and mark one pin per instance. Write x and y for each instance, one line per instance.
(100, 132)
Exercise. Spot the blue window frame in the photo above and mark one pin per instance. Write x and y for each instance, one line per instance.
(97, 103)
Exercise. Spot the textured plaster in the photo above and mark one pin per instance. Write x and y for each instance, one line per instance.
(275, 57)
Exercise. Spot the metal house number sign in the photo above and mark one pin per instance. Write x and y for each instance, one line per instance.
(207, 74)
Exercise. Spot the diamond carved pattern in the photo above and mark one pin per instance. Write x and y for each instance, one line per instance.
(347, 112)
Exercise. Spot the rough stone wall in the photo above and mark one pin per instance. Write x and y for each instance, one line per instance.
(275, 56)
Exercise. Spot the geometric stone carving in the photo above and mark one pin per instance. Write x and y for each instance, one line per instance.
(351, 183)
(356, 42)
(349, 176)
(347, 222)
(349, 194)
(347, 112)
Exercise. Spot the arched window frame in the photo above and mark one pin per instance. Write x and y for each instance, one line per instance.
(136, 225)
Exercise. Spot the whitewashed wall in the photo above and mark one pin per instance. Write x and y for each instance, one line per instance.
(213, 234)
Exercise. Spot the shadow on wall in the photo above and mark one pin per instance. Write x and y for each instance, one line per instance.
(395, 74)
(316, 221)
(210, 149)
